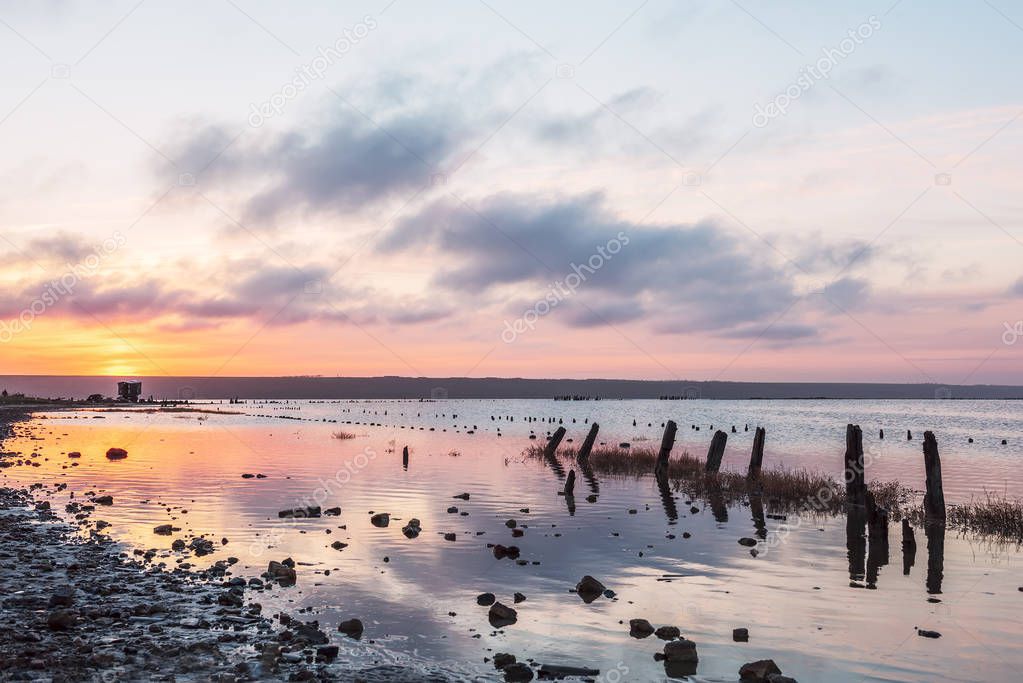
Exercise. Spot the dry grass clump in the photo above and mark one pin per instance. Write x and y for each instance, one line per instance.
(342, 435)
(992, 515)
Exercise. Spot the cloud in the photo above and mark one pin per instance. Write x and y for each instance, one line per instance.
(598, 129)
(60, 249)
(584, 128)
(814, 254)
(1017, 288)
(245, 290)
(602, 313)
(774, 332)
(847, 293)
(680, 278)
(349, 165)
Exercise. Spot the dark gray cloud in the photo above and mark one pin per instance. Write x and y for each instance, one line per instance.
(848, 293)
(137, 298)
(774, 332)
(682, 278)
(61, 249)
(346, 166)
(247, 289)
(600, 313)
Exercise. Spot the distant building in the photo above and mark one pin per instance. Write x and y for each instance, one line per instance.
(129, 391)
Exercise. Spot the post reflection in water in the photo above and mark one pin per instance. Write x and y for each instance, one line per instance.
(667, 499)
(756, 506)
(935, 532)
(908, 547)
(591, 479)
(556, 466)
(877, 552)
(717, 502)
(570, 504)
(856, 543)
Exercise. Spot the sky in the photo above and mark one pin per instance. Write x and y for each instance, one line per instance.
(707, 190)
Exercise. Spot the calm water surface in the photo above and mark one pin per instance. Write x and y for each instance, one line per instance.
(796, 599)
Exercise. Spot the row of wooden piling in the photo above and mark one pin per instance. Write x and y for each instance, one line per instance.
(855, 471)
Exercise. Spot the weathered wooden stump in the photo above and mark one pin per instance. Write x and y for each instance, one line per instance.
(934, 498)
(908, 547)
(716, 451)
(591, 437)
(935, 532)
(877, 549)
(855, 488)
(569, 484)
(756, 456)
(877, 518)
(856, 543)
(554, 442)
(667, 443)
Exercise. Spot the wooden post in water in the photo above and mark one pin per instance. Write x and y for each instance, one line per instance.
(934, 498)
(855, 488)
(908, 547)
(877, 518)
(877, 546)
(570, 484)
(716, 451)
(756, 456)
(404, 457)
(856, 543)
(554, 442)
(667, 443)
(587, 446)
(935, 533)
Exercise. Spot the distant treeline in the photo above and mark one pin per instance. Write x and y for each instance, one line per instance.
(440, 388)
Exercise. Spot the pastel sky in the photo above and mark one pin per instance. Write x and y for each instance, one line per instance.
(735, 190)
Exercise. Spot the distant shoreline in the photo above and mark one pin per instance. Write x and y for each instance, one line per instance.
(439, 388)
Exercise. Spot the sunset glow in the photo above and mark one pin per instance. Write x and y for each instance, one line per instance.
(396, 206)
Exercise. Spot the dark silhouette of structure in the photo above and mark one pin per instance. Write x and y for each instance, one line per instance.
(129, 391)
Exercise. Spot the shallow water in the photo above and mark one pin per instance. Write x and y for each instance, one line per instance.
(795, 597)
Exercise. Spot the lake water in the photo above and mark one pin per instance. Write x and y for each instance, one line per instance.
(417, 597)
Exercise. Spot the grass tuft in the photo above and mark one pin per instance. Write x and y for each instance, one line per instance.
(992, 515)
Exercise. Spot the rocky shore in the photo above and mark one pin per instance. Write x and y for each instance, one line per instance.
(74, 606)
